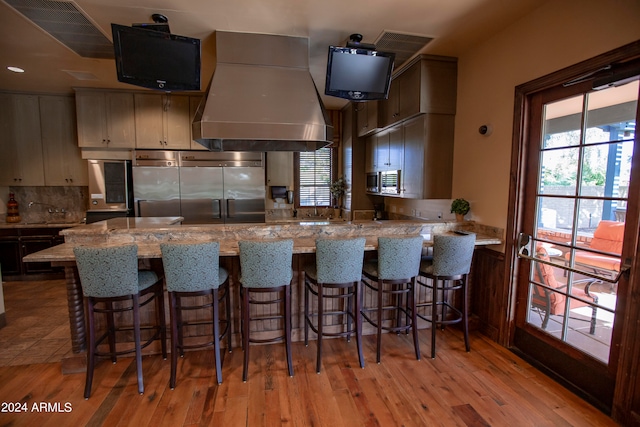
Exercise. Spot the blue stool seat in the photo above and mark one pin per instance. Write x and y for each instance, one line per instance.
(265, 267)
(338, 267)
(109, 275)
(394, 274)
(192, 270)
(451, 263)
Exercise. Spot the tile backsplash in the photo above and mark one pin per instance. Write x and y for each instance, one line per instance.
(50, 204)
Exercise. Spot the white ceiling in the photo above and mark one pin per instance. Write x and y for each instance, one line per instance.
(455, 25)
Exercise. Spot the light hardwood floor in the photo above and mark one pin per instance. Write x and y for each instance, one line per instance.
(490, 386)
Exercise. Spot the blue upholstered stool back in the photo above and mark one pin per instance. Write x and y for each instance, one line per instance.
(451, 255)
(265, 264)
(399, 257)
(192, 267)
(107, 272)
(339, 260)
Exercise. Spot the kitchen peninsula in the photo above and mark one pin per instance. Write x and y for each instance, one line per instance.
(148, 233)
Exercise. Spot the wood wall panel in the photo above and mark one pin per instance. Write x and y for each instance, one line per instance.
(487, 293)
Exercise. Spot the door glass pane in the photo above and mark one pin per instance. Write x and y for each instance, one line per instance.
(585, 157)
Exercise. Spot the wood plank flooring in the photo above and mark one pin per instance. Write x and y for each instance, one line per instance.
(489, 386)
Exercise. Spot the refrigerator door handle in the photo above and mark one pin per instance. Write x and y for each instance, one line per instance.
(217, 208)
(231, 208)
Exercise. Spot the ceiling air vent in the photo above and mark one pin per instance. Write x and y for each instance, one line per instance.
(65, 22)
(403, 45)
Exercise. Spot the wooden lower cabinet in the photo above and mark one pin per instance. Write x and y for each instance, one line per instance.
(15, 243)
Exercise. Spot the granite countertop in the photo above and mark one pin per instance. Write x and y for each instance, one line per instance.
(148, 233)
(51, 224)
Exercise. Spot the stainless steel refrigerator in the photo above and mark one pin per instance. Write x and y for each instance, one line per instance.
(202, 187)
(156, 183)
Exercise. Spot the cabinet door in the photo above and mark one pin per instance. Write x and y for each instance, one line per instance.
(280, 168)
(409, 92)
(63, 164)
(8, 172)
(390, 108)
(10, 261)
(148, 120)
(382, 152)
(121, 128)
(396, 148)
(438, 155)
(27, 139)
(366, 117)
(35, 244)
(412, 173)
(370, 154)
(194, 102)
(178, 122)
(91, 115)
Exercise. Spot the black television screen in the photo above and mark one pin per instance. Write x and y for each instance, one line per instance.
(358, 74)
(155, 59)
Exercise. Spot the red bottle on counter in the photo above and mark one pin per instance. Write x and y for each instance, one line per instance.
(13, 215)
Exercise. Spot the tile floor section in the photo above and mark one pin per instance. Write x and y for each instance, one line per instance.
(37, 329)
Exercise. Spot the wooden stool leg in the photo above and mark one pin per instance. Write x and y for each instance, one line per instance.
(161, 322)
(216, 334)
(414, 316)
(465, 313)
(227, 293)
(358, 320)
(306, 313)
(136, 335)
(111, 331)
(174, 338)
(434, 317)
(320, 322)
(379, 322)
(287, 323)
(245, 332)
(90, 349)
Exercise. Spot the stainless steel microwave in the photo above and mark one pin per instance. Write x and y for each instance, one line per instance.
(390, 182)
(373, 182)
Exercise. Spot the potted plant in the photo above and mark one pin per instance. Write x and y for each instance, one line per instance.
(338, 189)
(460, 207)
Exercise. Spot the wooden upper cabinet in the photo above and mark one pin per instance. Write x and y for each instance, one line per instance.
(366, 117)
(162, 121)
(105, 119)
(63, 163)
(370, 154)
(426, 85)
(428, 157)
(21, 163)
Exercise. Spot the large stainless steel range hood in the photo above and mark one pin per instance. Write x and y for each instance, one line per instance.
(262, 97)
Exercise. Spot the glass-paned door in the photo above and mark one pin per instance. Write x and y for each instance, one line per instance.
(584, 152)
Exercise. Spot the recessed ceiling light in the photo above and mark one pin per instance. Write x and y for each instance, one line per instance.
(15, 69)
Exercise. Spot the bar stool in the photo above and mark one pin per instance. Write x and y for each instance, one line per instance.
(338, 266)
(451, 262)
(265, 266)
(193, 270)
(108, 275)
(394, 274)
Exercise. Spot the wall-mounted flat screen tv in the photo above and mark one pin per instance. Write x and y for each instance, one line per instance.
(358, 74)
(155, 59)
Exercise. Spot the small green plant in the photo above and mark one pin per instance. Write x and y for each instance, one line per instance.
(460, 206)
(338, 188)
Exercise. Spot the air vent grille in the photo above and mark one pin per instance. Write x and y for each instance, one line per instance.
(65, 22)
(403, 45)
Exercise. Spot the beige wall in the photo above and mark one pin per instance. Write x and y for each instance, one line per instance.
(558, 34)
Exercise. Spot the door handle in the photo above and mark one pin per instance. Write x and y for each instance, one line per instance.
(231, 208)
(217, 213)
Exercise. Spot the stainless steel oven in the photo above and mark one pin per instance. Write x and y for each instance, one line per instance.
(110, 185)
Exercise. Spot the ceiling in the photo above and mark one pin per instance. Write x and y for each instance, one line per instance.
(454, 25)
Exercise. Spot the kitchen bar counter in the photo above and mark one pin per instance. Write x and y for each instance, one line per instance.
(148, 233)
